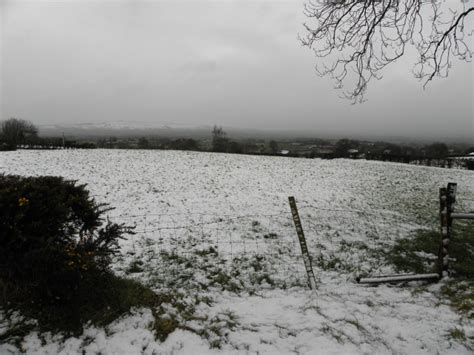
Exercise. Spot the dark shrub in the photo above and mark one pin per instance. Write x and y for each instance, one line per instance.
(53, 236)
(6, 147)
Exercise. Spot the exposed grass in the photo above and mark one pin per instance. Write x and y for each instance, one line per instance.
(457, 334)
(419, 252)
(416, 253)
(218, 328)
(270, 235)
(136, 266)
(462, 249)
(209, 251)
(99, 301)
(461, 295)
(18, 329)
(203, 270)
(460, 336)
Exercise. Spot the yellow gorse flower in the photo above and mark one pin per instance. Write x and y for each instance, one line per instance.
(23, 201)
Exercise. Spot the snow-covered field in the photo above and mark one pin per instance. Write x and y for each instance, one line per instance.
(218, 228)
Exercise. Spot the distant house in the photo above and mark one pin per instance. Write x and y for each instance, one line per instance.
(353, 153)
(324, 149)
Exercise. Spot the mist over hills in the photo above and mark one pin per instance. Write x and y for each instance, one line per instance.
(123, 128)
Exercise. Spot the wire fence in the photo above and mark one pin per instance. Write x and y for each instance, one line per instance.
(339, 239)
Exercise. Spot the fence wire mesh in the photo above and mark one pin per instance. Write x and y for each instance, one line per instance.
(339, 240)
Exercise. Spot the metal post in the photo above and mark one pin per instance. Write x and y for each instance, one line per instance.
(399, 278)
(461, 215)
(302, 240)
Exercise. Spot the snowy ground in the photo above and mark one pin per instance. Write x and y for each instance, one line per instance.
(217, 230)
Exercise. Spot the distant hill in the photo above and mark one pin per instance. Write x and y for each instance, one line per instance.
(174, 130)
(160, 129)
(124, 129)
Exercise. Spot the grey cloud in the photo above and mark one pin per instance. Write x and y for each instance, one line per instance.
(234, 63)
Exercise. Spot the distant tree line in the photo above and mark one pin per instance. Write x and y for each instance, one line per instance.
(16, 132)
(20, 133)
(346, 148)
(148, 143)
(221, 143)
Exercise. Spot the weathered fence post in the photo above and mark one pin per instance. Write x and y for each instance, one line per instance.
(447, 198)
(304, 248)
(443, 248)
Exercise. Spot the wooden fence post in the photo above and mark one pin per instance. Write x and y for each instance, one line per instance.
(443, 248)
(447, 198)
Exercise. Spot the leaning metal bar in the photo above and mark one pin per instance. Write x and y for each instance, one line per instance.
(461, 215)
(401, 278)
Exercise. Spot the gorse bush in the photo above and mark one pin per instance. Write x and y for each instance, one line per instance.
(53, 237)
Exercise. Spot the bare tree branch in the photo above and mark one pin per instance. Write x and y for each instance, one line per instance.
(360, 38)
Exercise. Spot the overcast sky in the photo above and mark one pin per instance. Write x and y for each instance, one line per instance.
(232, 63)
